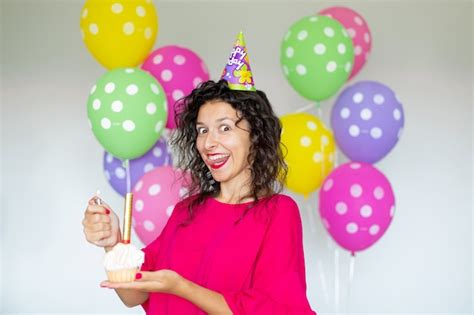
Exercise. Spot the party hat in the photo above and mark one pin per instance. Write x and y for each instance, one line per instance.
(237, 71)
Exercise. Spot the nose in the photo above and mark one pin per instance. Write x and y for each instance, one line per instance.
(211, 141)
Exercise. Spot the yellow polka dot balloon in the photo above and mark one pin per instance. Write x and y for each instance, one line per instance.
(119, 33)
(310, 151)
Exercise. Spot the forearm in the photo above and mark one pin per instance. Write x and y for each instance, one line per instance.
(211, 302)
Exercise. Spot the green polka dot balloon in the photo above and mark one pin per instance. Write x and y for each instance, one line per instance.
(317, 56)
(127, 112)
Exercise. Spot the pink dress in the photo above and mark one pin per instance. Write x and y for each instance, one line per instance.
(256, 264)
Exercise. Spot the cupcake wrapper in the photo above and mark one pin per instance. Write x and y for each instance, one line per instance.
(124, 275)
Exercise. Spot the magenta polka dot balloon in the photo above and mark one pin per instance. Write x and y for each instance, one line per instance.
(154, 198)
(356, 205)
(179, 70)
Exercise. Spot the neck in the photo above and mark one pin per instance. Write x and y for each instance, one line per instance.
(233, 191)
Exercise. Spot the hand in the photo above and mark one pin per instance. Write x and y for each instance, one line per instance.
(101, 225)
(164, 280)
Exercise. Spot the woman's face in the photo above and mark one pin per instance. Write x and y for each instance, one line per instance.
(223, 146)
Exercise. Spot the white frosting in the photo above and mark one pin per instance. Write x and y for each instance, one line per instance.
(123, 256)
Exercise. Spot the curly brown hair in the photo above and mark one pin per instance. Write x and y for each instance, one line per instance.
(268, 168)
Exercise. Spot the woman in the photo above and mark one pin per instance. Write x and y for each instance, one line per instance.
(234, 246)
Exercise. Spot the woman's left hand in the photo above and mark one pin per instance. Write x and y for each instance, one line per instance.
(164, 280)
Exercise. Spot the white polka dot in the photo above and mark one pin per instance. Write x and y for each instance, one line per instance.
(379, 99)
(93, 89)
(148, 225)
(107, 175)
(331, 66)
(358, 20)
(305, 141)
(157, 152)
(166, 75)
(179, 60)
(287, 35)
(397, 114)
(128, 125)
(132, 89)
(157, 59)
(169, 211)
(341, 48)
(313, 19)
(358, 98)
(148, 167)
(301, 69)
(96, 104)
(109, 158)
(177, 94)
(148, 33)
(158, 126)
(319, 49)
(138, 185)
(374, 229)
(376, 132)
(348, 66)
(93, 29)
(326, 223)
(109, 87)
(117, 8)
(311, 125)
(117, 106)
(357, 50)
(302, 35)
(392, 210)
(196, 81)
(352, 32)
(367, 38)
(317, 157)
(328, 31)
(183, 191)
(328, 184)
(356, 190)
(341, 207)
(355, 166)
(129, 70)
(140, 11)
(345, 113)
(324, 140)
(366, 211)
(151, 108)
(352, 228)
(120, 172)
(354, 130)
(105, 123)
(289, 52)
(366, 114)
(84, 13)
(154, 190)
(139, 205)
(155, 89)
(128, 28)
(378, 192)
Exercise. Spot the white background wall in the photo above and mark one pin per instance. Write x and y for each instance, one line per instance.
(51, 162)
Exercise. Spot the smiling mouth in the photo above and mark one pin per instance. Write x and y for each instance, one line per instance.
(217, 161)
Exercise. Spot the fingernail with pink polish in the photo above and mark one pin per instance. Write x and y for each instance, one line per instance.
(107, 211)
(138, 276)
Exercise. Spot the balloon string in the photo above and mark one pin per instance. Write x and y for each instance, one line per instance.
(304, 108)
(310, 217)
(127, 169)
(323, 281)
(336, 279)
(351, 277)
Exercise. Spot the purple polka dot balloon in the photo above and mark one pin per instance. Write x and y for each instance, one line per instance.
(116, 174)
(367, 120)
(356, 205)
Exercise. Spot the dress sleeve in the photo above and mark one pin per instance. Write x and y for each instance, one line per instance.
(278, 285)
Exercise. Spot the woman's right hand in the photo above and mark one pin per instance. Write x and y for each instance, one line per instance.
(101, 225)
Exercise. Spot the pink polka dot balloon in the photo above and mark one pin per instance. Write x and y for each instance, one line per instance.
(154, 198)
(179, 70)
(357, 29)
(356, 205)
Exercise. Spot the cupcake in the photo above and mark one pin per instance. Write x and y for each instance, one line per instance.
(123, 262)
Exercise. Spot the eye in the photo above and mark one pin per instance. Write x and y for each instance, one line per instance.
(224, 128)
(201, 130)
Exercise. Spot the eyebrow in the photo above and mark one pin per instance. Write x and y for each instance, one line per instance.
(217, 120)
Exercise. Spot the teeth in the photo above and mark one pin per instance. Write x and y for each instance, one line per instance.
(219, 156)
